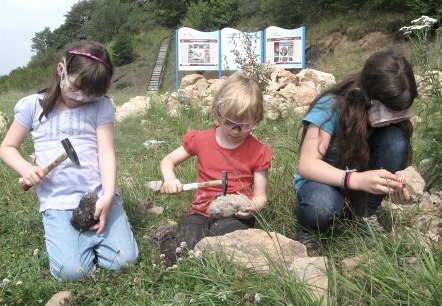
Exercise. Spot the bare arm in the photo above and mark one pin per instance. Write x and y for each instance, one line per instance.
(108, 172)
(313, 168)
(259, 200)
(171, 184)
(9, 153)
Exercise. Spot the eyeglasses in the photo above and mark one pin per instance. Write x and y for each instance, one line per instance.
(380, 115)
(231, 125)
(70, 91)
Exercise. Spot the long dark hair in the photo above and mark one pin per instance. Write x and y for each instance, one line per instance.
(386, 76)
(91, 64)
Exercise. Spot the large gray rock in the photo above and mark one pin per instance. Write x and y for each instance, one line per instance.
(254, 249)
(229, 205)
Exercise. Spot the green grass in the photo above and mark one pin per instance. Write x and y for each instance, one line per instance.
(210, 280)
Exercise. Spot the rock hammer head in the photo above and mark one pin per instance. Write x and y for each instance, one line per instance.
(70, 152)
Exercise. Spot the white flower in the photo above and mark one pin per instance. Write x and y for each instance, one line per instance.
(5, 281)
(35, 253)
(178, 250)
(18, 283)
(183, 244)
(424, 20)
(419, 27)
(171, 268)
(162, 256)
(257, 298)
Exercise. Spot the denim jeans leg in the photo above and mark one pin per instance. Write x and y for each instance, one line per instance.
(70, 255)
(116, 247)
(318, 205)
(388, 150)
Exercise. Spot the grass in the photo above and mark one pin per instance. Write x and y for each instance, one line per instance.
(210, 280)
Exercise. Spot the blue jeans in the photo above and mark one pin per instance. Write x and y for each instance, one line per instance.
(72, 254)
(319, 204)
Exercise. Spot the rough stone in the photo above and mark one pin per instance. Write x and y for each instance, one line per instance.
(154, 185)
(60, 298)
(313, 271)
(3, 122)
(254, 249)
(228, 205)
(83, 216)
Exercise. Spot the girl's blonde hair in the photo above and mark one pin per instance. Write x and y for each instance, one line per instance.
(239, 99)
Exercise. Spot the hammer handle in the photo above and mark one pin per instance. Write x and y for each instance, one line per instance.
(193, 186)
(48, 168)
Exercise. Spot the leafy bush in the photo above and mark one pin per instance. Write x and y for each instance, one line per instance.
(123, 50)
(210, 16)
(123, 84)
(24, 79)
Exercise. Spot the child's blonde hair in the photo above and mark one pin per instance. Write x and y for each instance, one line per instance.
(239, 99)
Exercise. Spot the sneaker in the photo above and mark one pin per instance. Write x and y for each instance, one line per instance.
(373, 223)
(310, 240)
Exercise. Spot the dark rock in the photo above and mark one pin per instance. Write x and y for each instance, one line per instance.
(83, 216)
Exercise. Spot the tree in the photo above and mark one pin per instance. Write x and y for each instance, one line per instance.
(211, 15)
(123, 50)
(106, 20)
(42, 40)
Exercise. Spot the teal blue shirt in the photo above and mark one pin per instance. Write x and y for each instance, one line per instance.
(321, 115)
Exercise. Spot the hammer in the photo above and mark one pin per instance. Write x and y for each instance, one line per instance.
(193, 186)
(69, 152)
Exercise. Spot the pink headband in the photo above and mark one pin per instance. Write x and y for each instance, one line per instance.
(87, 54)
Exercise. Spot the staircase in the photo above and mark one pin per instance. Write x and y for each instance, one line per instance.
(156, 78)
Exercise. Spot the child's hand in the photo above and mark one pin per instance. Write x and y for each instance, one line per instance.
(401, 196)
(376, 181)
(34, 176)
(247, 214)
(173, 186)
(102, 211)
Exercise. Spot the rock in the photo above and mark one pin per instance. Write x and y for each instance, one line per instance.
(3, 122)
(415, 182)
(153, 143)
(228, 205)
(254, 249)
(133, 107)
(149, 208)
(167, 229)
(60, 298)
(313, 271)
(83, 216)
(154, 185)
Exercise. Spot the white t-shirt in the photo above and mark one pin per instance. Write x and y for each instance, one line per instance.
(64, 186)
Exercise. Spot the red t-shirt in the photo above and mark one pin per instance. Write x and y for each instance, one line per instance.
(240, 164)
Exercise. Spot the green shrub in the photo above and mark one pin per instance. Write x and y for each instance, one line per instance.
(123, 50)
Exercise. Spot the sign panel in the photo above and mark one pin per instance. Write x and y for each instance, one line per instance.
(285, 48)
(197, 50)
(237, 47)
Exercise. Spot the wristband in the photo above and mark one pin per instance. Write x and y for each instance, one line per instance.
(346, 178)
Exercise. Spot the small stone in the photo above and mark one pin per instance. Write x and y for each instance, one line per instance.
(60, 298)
(426, 207)
(154, 185)
(83, 216)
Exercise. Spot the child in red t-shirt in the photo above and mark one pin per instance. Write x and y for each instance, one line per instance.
(237, 108)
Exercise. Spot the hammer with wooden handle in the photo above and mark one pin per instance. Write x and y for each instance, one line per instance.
(68, 152)
(193, 186)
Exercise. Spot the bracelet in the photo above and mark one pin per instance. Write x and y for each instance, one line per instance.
(346, 178)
